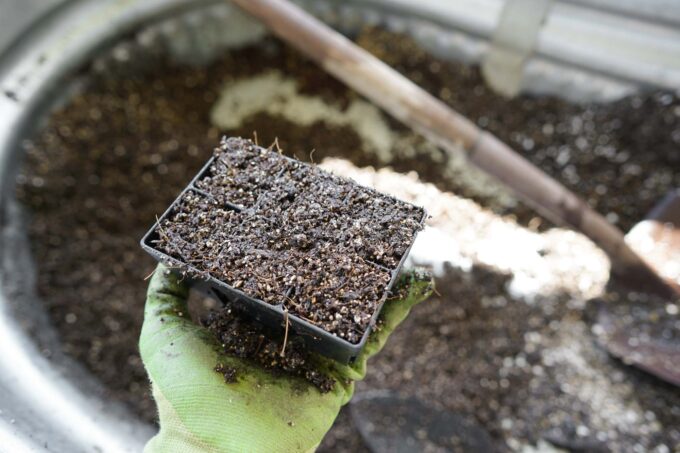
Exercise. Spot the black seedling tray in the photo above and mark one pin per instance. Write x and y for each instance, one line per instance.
(273, 316)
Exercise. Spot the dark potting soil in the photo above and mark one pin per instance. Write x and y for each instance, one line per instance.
(248, 340)
(117, 154)
(322, 246)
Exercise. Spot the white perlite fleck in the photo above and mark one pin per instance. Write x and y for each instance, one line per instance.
(578, 369)
(275, 94)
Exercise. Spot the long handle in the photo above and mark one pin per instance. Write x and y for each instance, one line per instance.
(421, 111)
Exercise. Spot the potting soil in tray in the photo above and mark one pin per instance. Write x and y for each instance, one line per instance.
(322, 248)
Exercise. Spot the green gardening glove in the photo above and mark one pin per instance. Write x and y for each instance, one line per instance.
(199, 412)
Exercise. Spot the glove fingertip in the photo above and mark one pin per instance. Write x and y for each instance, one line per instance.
(166, 315)
(166, 282)
(414, 286)
(166, 298)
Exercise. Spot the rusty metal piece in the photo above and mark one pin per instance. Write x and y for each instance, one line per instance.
(651, 354)
(389, 422)
(657, 238)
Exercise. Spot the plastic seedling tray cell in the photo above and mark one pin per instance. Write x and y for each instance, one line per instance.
(291, 245)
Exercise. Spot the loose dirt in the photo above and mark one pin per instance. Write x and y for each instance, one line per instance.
(119, 153)
(241, 337)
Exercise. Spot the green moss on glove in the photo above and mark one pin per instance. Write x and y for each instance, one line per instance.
(199, 412)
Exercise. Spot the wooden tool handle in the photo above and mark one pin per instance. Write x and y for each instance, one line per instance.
(421, 111)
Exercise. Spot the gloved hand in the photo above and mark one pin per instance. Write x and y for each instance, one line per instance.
(199, 412)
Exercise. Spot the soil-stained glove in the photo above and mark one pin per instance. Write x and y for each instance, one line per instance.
(199, 412)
